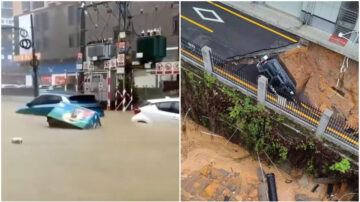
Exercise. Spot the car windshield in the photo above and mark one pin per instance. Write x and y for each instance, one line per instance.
(172, 107)
(46, 99)
(82, 99)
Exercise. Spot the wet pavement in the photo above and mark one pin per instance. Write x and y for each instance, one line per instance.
(229, 32)
(119, 161)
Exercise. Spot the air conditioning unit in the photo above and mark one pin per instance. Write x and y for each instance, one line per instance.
(101, 51)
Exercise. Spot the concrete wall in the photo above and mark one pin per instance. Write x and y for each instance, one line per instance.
(292, 8)
(322, 15)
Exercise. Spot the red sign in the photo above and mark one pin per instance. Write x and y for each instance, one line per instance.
(341, 41)
(60, 80)
(46, 79)
(167, 68)
(79, 56)
(121, 46)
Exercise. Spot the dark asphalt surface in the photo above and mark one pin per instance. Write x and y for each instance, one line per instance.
(235, 36)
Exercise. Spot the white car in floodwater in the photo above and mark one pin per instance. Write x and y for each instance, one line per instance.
(165, 110)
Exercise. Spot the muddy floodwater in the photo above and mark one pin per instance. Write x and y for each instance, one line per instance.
(119, 161)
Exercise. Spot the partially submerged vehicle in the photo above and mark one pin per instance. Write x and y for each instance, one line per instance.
(279, 79)
(44, 103)
(66, 115)
(164, 110)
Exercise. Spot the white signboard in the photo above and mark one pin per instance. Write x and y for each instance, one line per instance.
(25, 23)
(139, 55)
(78, 66)
(167, 68)
(88, 66)
(120, 70)
(28, 80)
(112, 63)
(106, 64)
(121, 60)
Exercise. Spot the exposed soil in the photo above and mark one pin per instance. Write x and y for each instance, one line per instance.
(316, 69)
(214, 169)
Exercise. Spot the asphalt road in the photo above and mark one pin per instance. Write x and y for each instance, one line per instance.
(227, 31)
(121, 160)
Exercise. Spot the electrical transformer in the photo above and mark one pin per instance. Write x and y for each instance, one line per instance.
(152, 47)
(100, 51)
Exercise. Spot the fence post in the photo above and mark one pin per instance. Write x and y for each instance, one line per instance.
(324, 121)
(206, 54)
(262, 88)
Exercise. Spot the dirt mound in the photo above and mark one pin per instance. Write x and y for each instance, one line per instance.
(316, 69)
(214, 169)
(211, 183)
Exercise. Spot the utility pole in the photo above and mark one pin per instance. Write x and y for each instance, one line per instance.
(34, 61)
(82, 46)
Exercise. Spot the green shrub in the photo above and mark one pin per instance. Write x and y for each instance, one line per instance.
(341, 166)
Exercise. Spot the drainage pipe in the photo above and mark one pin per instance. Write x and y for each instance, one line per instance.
(272, 187)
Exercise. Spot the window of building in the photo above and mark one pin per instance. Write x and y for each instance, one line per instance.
(77, 40)
(71, 14)
(44, 21)
(37, 4)
(2, 57)
(6, 4)
(9, 57)
(78, 16)
(6, 13)
(45, 43)
(25, 5)
(38, 45)
(37, 22)
(176, 25)
(71, 41)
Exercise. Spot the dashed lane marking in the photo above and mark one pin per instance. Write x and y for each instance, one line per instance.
(197, 24)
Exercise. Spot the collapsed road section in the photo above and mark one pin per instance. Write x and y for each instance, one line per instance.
(212, 47)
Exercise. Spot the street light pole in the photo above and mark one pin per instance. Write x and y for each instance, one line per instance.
(34, 62)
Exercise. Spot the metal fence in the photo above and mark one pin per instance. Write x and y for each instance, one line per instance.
(303, 111)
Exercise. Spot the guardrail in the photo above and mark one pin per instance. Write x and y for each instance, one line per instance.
(336, 128)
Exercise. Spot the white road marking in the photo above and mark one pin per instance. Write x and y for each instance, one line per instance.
(216, 16)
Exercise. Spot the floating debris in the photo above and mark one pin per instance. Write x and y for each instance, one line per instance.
(17, 140)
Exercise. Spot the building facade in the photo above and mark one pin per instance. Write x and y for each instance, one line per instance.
(57, 30)
(330, 16)
(11, 72)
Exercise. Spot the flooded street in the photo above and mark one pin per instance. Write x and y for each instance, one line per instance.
(119, 161)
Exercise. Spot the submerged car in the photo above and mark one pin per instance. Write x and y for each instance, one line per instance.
(165, 110)
(279, 79)
(70, 116)
(45, 102)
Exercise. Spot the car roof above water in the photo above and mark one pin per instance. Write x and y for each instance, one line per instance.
(64, 94)
(61, 93)
(166, 99)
